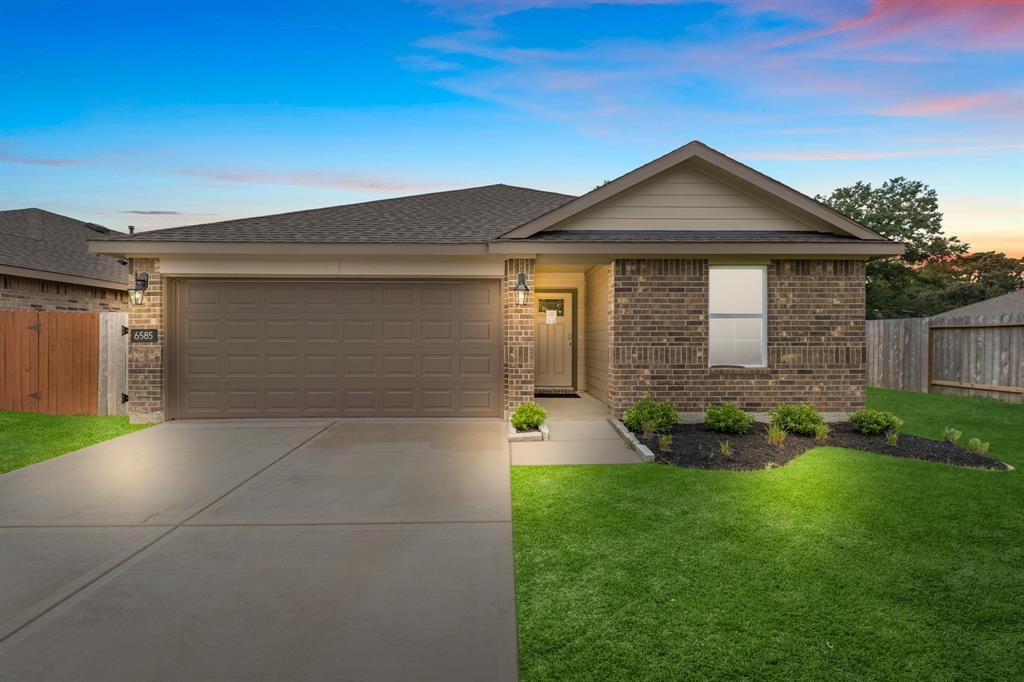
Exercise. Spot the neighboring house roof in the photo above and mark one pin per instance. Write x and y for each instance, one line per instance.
(464, 216)
(710, 160)
(1007, 305)
(44, 245)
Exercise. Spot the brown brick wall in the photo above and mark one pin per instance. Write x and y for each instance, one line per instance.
(39, 294)
(519, 333)
(659, 333)
(145, 360)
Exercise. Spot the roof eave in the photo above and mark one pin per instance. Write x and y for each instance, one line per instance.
(871, 249)
(153, 248)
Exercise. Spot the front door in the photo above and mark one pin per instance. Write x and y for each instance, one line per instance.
(555, 325)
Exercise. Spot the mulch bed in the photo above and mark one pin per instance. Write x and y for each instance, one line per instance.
(697, 446)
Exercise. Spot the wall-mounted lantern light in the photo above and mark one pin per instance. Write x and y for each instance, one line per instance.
(521, 289)
(137, 290)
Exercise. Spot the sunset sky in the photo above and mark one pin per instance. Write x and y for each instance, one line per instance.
(161, 114)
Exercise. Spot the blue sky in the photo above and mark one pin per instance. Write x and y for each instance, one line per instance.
(160, 114)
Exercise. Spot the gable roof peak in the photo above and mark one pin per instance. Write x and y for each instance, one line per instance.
(716, 162)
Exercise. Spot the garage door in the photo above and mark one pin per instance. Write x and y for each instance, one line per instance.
(312, 349)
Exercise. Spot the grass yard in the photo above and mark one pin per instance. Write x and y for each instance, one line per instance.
(27, 438)
(841, 565)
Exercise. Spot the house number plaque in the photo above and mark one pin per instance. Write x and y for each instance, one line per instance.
(144, 336)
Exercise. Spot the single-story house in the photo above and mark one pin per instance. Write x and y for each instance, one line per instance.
(692, 278)
(45, 264)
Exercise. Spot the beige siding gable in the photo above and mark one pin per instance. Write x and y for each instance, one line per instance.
(683, 198)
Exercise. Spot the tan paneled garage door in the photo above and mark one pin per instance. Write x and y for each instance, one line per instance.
(310, 349)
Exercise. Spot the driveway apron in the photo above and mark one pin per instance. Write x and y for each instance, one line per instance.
(263, 550)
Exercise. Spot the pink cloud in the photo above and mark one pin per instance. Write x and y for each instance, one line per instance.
(321, 179)
(781, 155)
(982, 102)
(34, 161)
(950, 24)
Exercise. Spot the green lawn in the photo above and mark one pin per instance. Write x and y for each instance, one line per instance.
(840, 565)
(27, 438)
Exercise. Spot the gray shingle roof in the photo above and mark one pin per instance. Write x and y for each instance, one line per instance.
(34, 239)
(1009, 306)
(464, 216)
(677, 236)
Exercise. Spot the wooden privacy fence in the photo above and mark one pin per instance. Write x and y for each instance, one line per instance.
(62, 362)
(980, 356)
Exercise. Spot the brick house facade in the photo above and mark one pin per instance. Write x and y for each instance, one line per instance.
(659, 337)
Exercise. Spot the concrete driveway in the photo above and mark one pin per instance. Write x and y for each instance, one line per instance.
(263, 550)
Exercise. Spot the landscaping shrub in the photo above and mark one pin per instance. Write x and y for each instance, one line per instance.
(776, 435)
(873, 422)
(665, 442)
(657, 416)
(725, 447)
(892, 438)
(799, 419)
(977, 447)
(951, 435)
(728, 418)
(822, 431)
(528, 416)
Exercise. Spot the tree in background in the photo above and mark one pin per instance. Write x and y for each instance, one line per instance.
(936, 273)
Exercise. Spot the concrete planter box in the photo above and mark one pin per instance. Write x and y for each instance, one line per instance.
(538, 434)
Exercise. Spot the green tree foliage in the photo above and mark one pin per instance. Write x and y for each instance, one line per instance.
(937, 273)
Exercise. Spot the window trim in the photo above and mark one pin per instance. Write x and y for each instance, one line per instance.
(744, 316)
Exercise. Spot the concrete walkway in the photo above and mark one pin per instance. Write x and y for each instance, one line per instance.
(580, 434)
(263, 550)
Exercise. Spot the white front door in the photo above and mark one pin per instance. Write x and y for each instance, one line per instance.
(554, 338)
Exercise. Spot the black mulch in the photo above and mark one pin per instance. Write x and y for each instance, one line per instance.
(697, 446)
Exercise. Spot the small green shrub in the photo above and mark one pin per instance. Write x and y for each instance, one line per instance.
(528, 416)
(977, 447)
(798, 419)
(822, 431)
(892, 438)
(776, 435)
(873, 422)
(648, 427)
(658, 416)
(728, 418)
(725, 447)
(665, 442)
(951, 435)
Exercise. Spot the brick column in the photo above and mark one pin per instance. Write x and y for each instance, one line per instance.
(146, 360)
(519, 334)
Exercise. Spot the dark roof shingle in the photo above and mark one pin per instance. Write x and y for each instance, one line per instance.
(34, 239)
(465, 216)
